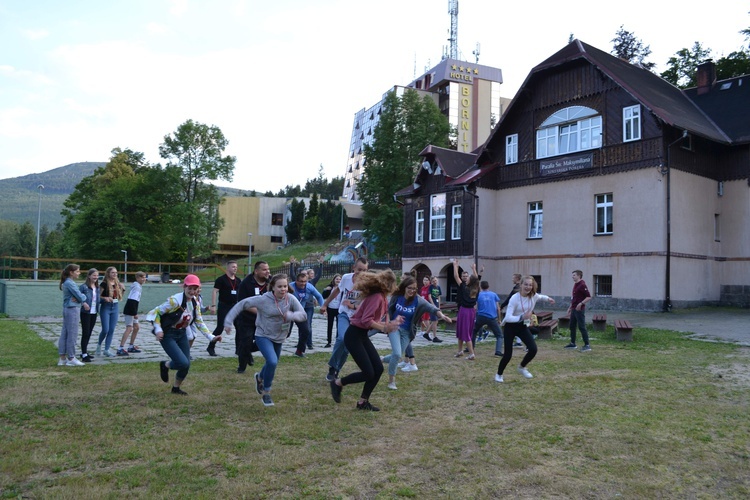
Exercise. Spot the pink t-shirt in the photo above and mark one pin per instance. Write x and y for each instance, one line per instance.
(371, 309)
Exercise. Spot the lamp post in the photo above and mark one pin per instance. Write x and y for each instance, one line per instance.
(249, 252)
(40, 187)
(126, 265)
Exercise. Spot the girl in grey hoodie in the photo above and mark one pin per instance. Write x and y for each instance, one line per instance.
(276, 310)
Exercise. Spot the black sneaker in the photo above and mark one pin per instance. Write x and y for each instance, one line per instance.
(498, 354)
(211, 349)
(426, 336)
(122, 352)
(164, 371)
(466, 349)
(437, 340)
(267, 401)
(177, 390)
(258, 384)
(570, 346)
(331, 376)
(367, 406)
(85, 358)
(327, 346)
(336, 391)
(240, 370)
(299, 353)
(251, 361)
(134, 349)
(310, 348)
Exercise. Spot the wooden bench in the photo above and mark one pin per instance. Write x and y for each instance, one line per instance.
(547, 328)
(623, 330)
(542, 316)
(564, 321)
(600, 322)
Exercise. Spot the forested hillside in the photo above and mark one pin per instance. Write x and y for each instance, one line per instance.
(19, 196)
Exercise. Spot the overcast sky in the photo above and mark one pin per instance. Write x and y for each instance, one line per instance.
(282, 79)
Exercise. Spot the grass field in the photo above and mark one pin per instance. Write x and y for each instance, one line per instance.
(662, 417)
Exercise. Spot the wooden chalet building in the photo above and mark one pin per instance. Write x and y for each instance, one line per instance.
(598, 165)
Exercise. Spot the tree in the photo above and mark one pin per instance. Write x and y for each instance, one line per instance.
(682, 67)
(735, 64)
(310, 225)
(407, 125)
(294, 226)
(197, 149)
(629, 48)
(125, 205)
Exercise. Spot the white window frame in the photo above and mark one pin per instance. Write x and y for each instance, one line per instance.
(605, 208)
(536, 220)
(456, 222)
(511, 149)
(631, 123)
(419, 227)
(437, 217)
(569, 130)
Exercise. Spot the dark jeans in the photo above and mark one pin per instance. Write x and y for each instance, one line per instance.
(175, 343)
(88, 321)
(516, 330)
(492, 324)
(243, 342)
(332, 313)
(367, 358)
(578, 319)
(221, 312)
(305, 335)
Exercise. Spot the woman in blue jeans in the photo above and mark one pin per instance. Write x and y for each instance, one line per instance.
(171, 321)
(110, 295)
(405, 302)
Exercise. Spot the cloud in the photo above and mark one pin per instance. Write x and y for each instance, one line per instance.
(35, 34)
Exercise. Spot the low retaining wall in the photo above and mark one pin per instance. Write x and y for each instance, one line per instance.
(23, 298)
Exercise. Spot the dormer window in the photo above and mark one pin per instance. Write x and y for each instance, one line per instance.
(569, 130)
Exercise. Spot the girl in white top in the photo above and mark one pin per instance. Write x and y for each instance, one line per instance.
(516, 323)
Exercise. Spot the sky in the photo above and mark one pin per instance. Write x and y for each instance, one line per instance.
(282, 79)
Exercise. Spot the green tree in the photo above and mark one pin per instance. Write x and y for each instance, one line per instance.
(407, 125)
(294, 226)
(735, 64)
(629, 48)
(197, 150)
(125, 205)
(682, 67)
(310, 225)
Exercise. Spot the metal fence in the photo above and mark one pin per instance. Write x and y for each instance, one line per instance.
(327, 270)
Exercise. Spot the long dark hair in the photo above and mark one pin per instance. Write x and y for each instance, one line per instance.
(69, 269)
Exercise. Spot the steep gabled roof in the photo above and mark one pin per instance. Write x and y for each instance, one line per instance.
(452, 162)
(728, 105)
(667, 102)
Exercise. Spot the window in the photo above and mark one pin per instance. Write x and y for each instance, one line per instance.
(456, 222)
(604, 213)
(437, 217)
(603, 285)
(277, 239)
(538, 279)
(511, 149)
(572, 129)
(631, 123)
(419, 227)
(277, 219)
(535, 219)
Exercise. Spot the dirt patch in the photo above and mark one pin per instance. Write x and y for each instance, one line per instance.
(737, 372)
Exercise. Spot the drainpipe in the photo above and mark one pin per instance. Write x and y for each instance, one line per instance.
(668, 270)
(476, 226)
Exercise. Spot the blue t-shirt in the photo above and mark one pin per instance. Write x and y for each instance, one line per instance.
(406, 311)
(487, 304)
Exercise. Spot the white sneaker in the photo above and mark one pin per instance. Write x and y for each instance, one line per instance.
(61, 362)
(409, 368)
(74, 362)
(392, 386)
(401, 364)
(523, 371)
(498, 378)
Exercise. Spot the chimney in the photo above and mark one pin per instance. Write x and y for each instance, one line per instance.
(705, 76)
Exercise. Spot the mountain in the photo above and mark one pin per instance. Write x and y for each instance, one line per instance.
(19, 196)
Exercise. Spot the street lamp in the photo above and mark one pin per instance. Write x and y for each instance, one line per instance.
(126, 265)
(40, 187)
(249, 252)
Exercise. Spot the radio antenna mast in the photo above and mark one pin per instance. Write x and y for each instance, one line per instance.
(453, 11)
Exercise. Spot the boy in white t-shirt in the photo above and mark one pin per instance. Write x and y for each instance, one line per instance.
(131, 315)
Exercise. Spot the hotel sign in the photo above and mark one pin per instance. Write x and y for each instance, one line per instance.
(566, 164)
(463, 73)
